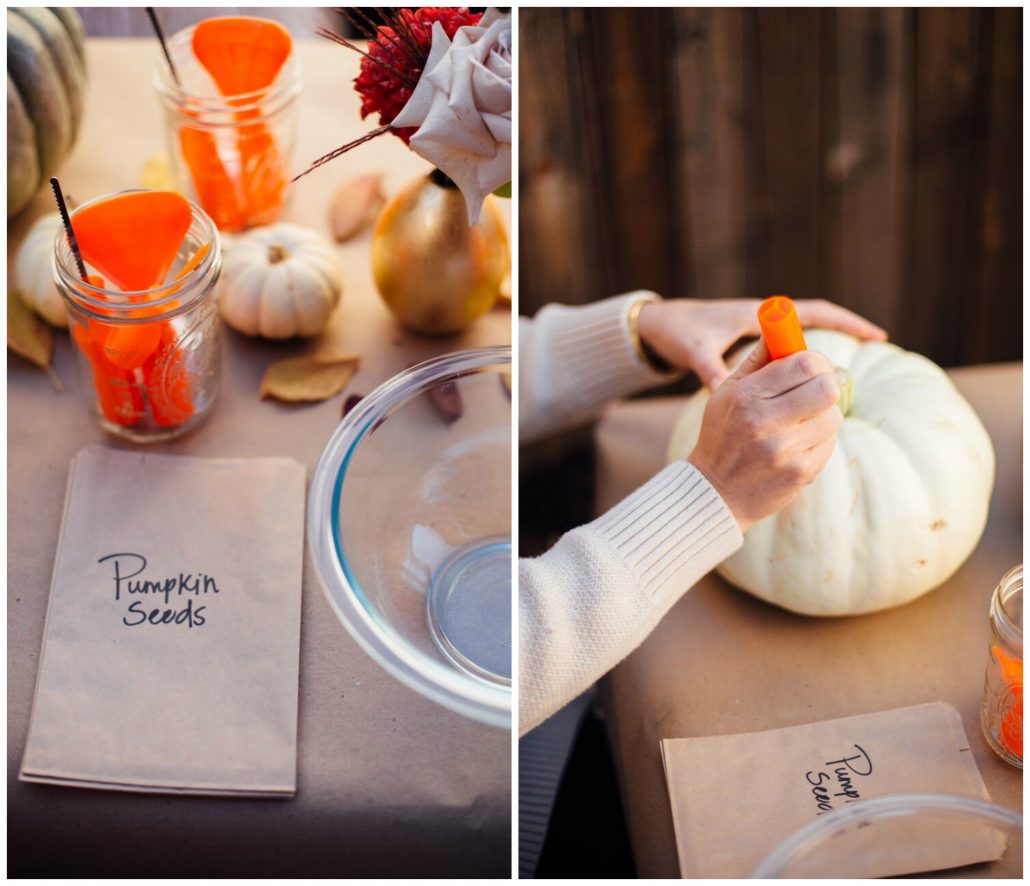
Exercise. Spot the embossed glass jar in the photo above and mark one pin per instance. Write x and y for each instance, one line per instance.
(151, 359)
(232, 154)
(1001, 715)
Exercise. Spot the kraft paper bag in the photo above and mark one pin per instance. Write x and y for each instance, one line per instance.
(735, 798)
(171, 648)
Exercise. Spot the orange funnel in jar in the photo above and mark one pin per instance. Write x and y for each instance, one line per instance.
(133, 238)
(243, 54)
(128, 346)
(781, 328)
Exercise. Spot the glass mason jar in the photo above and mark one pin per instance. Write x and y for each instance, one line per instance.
(1001, 715)
(153, 357)
(232, 154)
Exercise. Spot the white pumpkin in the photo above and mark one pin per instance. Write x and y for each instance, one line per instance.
(33, 272)
(898, 508)
(279, 281)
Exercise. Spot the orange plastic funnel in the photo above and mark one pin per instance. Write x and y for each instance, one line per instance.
(242, 54)
(781, 328)
(132, 239)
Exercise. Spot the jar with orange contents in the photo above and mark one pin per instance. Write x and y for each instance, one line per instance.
(143, 317)
(1001, 714)
(231, 117)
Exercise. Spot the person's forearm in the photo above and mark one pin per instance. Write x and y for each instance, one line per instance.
(573, 361)
(594, 597)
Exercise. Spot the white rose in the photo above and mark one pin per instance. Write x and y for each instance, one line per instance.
(462, 107)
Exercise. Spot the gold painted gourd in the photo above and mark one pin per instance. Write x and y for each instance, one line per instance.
(436, 274)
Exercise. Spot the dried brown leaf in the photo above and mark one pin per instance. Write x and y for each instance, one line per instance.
(308, 379)
(355, 205)
(27, 335)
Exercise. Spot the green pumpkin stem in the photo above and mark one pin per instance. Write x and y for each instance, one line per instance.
(847, 389)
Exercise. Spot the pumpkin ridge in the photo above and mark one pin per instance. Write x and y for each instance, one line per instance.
(60, 49)
(46, 77)
(22, 183)
(34, 74)
(289, 274)
(321, 268)
(72, 24)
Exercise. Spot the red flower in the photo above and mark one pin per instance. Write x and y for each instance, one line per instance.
(397, 56)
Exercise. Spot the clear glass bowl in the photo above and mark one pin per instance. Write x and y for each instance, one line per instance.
(893, 835)
(409, 522)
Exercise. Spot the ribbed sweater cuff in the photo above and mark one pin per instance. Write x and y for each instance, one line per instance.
(592, 343)
(672, 530)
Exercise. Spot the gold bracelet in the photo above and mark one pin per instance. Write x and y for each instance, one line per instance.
(646, 355)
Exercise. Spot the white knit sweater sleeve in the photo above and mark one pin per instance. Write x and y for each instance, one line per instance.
(573, 361)
(593, 598)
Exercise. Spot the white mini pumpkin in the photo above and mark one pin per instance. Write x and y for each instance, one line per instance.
(898, 508)
(279, 281)
(33, 273)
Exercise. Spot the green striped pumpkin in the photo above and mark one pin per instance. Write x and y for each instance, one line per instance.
(46, 88)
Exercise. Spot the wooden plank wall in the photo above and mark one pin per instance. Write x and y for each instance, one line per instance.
(869, 156)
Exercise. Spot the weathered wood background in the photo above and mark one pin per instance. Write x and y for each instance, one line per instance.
(869, 156)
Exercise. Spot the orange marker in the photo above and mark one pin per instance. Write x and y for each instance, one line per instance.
(781, 328)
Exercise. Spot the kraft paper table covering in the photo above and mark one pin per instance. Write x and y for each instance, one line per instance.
(387, 782)
(723, 661)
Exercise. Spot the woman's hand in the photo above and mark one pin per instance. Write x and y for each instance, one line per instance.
(767, 431)
(694, 334)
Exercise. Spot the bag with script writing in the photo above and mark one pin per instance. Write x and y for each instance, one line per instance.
(735, 798)
(170, 653)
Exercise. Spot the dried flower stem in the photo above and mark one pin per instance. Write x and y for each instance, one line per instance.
(343, 149)
(343, 41)
(400, 31)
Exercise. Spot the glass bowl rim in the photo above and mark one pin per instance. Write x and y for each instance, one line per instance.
(886, 806)
(440, 682)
